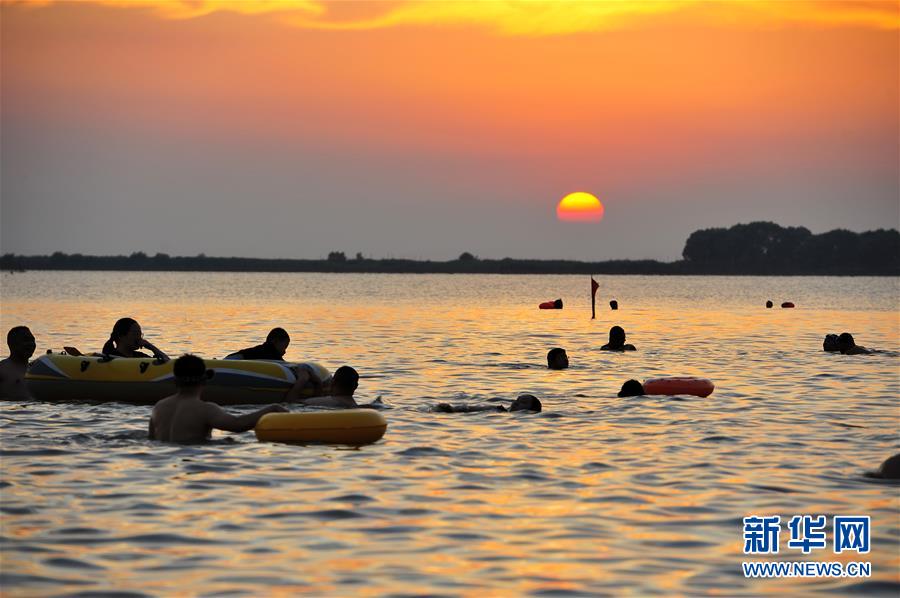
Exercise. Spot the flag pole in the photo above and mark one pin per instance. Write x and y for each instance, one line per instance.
(594, 287)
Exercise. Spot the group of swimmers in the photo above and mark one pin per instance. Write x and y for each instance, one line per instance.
(844, 344)
(558, 359)
(185, 417)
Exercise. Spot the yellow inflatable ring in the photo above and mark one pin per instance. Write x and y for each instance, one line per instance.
(345, 426)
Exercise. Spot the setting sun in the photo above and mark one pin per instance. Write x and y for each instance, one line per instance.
(579, 207)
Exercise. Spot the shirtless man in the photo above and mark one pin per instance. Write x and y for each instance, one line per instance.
(12, 369)
(186, 418)
(343, 384)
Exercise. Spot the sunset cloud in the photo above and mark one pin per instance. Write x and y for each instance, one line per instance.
(676, 115)
(554, 17)
(530, 17)
(191, 9)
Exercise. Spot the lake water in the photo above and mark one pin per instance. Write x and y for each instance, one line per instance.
(596, 495)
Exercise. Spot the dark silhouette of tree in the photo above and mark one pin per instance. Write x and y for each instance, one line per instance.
(766, 248)
(754, 248)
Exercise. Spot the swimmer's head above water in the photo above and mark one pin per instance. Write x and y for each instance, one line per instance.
(617, 340)
(831, 343)
(557, 359)
(526, 402)
(889, 470)
(632, 388)
(345, 381)
(845, 341)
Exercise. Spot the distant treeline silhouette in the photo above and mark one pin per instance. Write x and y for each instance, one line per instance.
(758, 248)
(766, 248)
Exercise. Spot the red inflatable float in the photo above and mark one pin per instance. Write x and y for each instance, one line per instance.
(551, 304)
(698, 387)
(787, 304)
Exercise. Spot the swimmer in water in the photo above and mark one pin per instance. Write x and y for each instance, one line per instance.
(847, 346)
(186, 418)
(557, 359)
(343, 384)
(12, 369)
(632, 388)
(830, 343)
(617, 341)
(889, 470)
(524, 402)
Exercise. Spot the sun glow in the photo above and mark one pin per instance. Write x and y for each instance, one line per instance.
(579, 207)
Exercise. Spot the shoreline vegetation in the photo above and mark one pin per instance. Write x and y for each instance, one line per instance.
(757, 248)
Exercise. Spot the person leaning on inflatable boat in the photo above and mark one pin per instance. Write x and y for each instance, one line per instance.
(274, 348)
(344, 383)
(125, 340)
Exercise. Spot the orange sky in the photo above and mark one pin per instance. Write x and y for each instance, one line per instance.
(619, 98)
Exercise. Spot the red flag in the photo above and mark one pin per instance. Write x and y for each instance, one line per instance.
(594, 287)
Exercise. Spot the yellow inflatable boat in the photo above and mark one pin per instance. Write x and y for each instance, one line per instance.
(143, 381)
(344, 426)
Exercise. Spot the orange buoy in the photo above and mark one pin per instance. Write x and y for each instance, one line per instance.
(698, 387)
